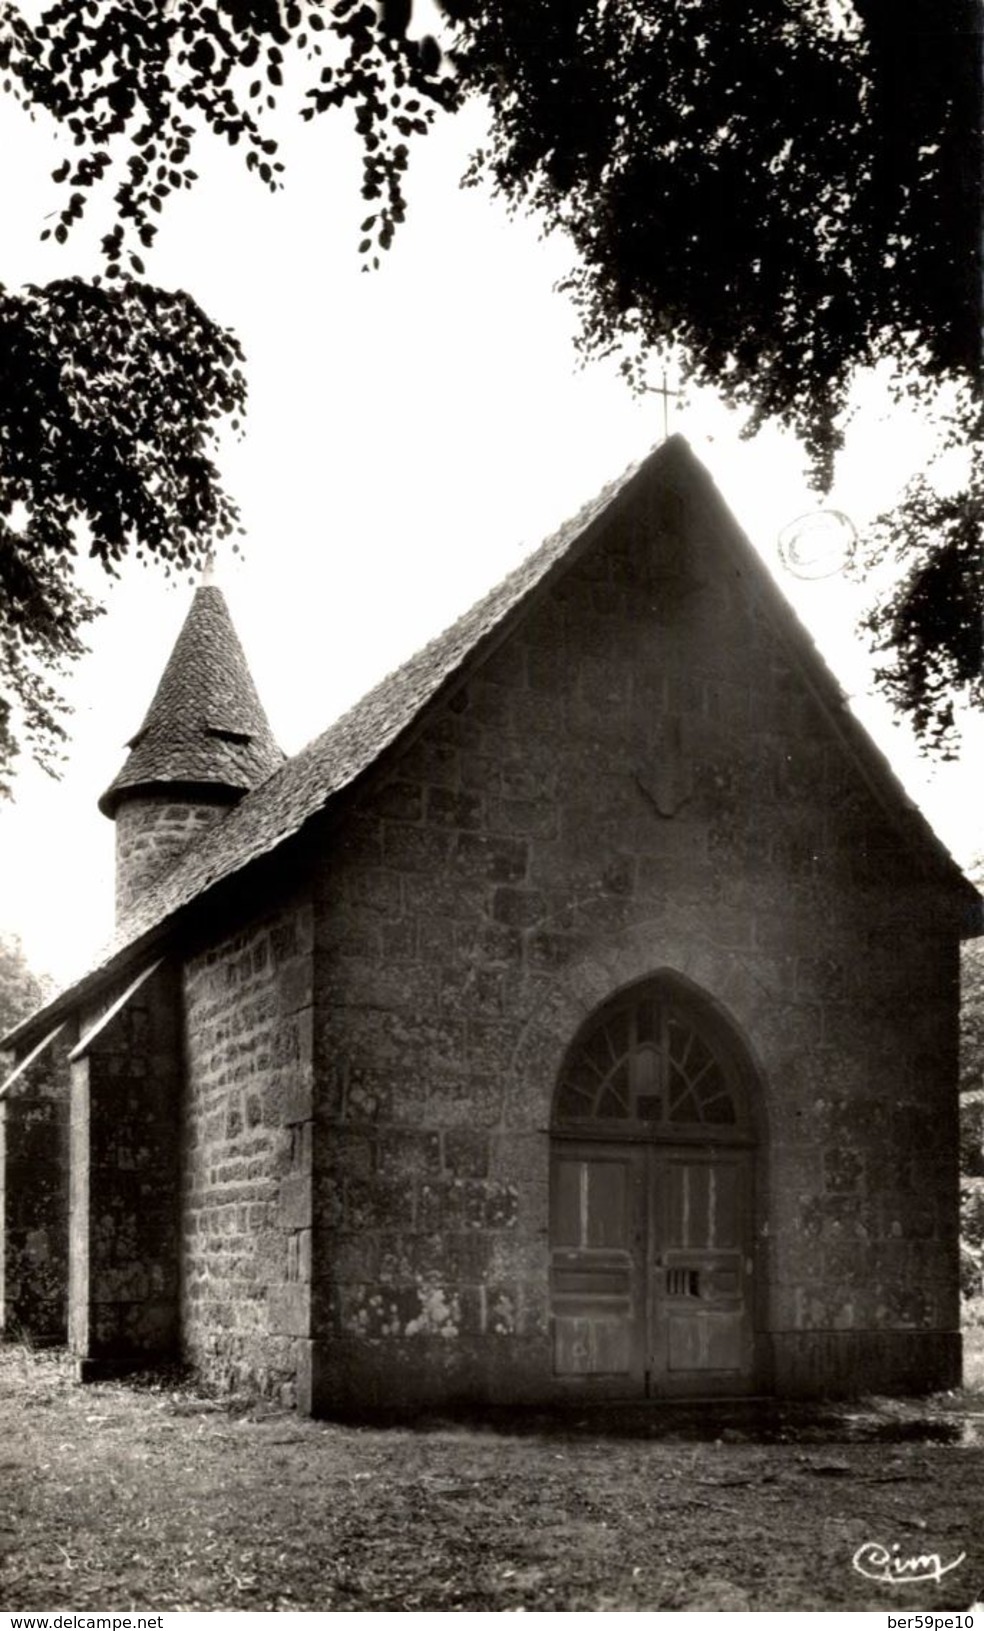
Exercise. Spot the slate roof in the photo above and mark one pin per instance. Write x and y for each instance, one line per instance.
(206, 725)
(302, 786)
(305, 784)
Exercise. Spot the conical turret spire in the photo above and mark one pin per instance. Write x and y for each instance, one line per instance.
(205, 727)
(204, 743)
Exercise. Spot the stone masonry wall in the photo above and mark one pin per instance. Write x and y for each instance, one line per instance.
(638, 779)
(246, 1191)
(123, 1271)
(152, 830)
(34, 1118)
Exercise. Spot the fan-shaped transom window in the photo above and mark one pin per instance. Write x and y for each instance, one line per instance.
(649, 1060)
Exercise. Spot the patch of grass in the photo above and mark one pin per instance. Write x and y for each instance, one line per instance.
(156, 1499)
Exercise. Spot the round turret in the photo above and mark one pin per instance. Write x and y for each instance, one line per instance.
(205, 742)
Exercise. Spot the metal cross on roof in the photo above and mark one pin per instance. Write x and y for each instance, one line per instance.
(665, 392)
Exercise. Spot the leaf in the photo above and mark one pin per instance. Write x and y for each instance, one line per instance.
(170, 367)
(757, 188)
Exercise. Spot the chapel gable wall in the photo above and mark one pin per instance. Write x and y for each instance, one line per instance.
(639, 778)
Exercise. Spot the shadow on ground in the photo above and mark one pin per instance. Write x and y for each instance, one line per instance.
(954, 1418)
(945, 1419)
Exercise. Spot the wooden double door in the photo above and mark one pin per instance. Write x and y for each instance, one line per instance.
(652, 1268)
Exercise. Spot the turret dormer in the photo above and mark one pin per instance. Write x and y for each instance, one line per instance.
(205, 742)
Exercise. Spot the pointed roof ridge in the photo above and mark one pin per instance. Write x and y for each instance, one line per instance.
(309, 782)
(205, 726)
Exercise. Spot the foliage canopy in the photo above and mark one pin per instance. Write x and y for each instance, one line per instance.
(21, 990)
(107, 400)
(930, 629)
(784, 192)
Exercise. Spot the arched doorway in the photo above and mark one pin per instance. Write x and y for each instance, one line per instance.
(652, 1201)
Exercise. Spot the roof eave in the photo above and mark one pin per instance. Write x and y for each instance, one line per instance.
(205, 788)
(89, 985)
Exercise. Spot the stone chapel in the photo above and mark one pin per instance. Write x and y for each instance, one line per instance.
(575, 1019)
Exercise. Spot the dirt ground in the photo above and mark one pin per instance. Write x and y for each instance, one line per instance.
(150, 1497)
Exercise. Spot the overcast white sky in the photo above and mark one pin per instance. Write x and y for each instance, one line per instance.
(411, 434)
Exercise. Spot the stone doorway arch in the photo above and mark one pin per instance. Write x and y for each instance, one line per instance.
(652, 1200)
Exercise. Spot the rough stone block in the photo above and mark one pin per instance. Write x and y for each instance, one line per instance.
(400, 801)
(286, 1097)
(295, 1201)
(466, 1153)
(416, 849)
(447, 808)
(518, 908)
(500, 859)
(536, 817)
(379, 1203)
(496, 943)
(289, 1310)
(408, 1153)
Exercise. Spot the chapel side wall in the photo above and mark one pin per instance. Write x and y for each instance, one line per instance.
(34, 1164)
(637, 780)
(246, 1188)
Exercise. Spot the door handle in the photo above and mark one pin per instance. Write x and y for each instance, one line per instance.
(682, 1282)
